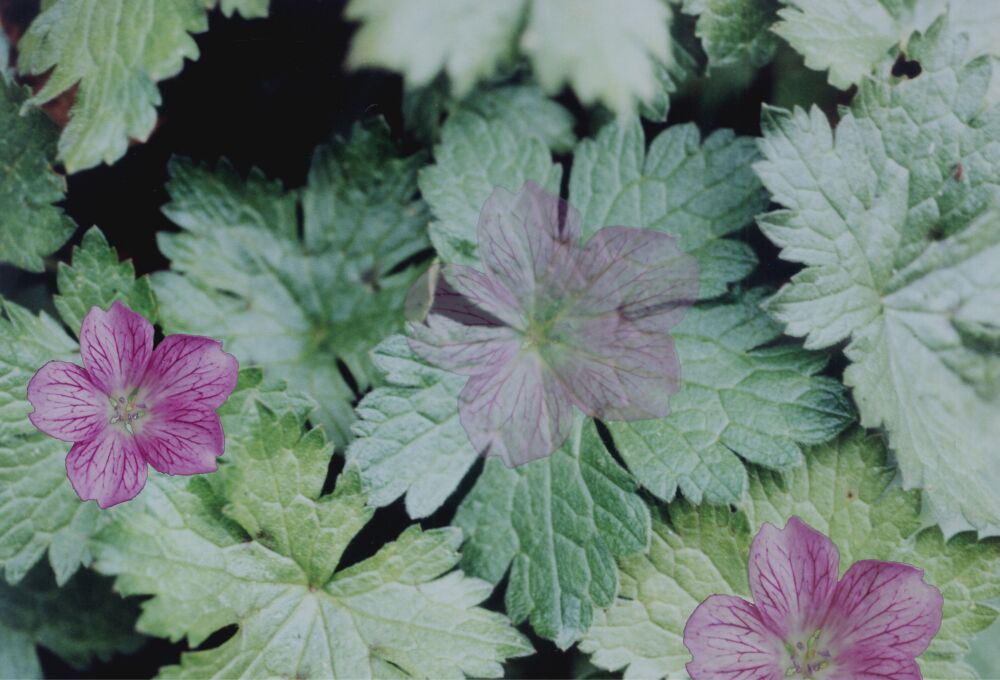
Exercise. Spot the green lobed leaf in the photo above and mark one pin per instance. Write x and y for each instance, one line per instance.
(526, 111)
(96, 277)
(78, 621)
(480, 151)
(114, 51)
(845, 490)
(297, 307)
(735, 31)
(39, 511)
(607, 53)
(401, 612)
(738, 400)
(697, 191)
(408, 436)
(31, 227)
(557, 523)
(890, 217)
(851, 37)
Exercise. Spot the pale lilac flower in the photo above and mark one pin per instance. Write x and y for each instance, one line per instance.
(803, 623)
(548, 325)
(131, 405)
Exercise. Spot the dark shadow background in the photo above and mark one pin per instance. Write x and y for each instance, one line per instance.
(265, 93)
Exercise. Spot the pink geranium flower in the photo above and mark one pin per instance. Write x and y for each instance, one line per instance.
(548, 325)
(131, 405)
(803, 623)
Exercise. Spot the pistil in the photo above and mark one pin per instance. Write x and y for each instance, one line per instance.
(807, 658)
(126, 412)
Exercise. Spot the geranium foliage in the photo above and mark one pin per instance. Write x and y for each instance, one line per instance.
(556, 322)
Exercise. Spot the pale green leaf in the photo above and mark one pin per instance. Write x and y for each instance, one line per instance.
(96, 277)
(845, 490)
(409, 438)
(476, 155)
(401, 612)
(527, 112)
(889, 215)
(697, 191)
(297, 307)
(39, 510)
(115, 51)
(359, 200)
(737, 400)
(31, 227)
(610, 53)
(851, 37)
(79, 621)
(466, 39)
(557, 523)
(202, 202)
(607, 52)
(735, 31)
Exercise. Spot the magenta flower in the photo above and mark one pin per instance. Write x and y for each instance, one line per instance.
(548, 325)
(131, 405)
(803, 623)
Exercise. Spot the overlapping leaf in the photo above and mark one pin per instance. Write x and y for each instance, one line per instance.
(698, 191)
(409, 438)
(259, 547)
(39, 510)
(481, 148)
(890, 215)
(735, 31)
(114, 51)
(81, 620)
(31, 227)
(612, 53)
(737, 400)
(845, 490)
(299, 307)
(557, 524)
(852, 36)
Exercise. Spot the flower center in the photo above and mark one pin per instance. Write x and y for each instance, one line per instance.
(807, 659)
(125, 411)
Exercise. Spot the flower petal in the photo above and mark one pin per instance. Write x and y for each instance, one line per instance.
(180, 440)
(517, 410)
(883, 606)
(641, 274)
(115, 347)
(793, 575)
(107, 468)
(190, 370)
(728, 640)
(465, 350)
(529, 242)
(481, 294)
(875, 664)
(68, 405)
